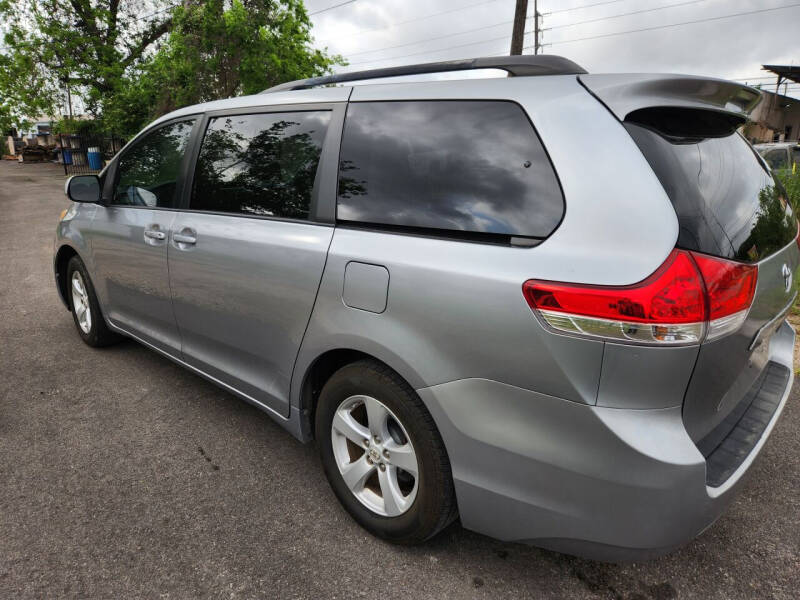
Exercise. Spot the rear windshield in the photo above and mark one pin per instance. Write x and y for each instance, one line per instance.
(727, 204)
(476, 168)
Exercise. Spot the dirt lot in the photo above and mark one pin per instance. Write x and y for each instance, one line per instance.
(122, 475)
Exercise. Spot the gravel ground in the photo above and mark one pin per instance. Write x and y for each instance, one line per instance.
(123, 475)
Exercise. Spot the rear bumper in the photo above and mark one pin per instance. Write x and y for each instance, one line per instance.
(606, 483)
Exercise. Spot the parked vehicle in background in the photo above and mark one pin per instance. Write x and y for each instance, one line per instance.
(780, 155)
(473, 307)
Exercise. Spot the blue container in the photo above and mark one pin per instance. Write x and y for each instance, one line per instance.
(67, 156)
(95, 161)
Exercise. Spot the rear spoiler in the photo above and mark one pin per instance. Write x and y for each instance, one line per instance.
(624, 94)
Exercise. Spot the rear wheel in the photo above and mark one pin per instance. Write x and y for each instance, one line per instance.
(382, 454)
(85, 307)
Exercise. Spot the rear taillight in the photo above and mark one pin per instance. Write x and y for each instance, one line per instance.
(797, 237)
(730, 287)
(690, 296)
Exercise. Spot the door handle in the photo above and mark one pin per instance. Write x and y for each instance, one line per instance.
(154, 234)
(183, 238)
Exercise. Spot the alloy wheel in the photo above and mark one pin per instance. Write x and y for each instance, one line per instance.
(375, 455)
(80, 303)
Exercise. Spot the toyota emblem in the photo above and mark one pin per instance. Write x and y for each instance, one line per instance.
(787, 277)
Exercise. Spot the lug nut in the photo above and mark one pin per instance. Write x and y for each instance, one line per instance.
(382, 467)
(377, 440)
(385, 454)
(366, 443)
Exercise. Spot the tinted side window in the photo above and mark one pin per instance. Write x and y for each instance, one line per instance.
(147, 174)
(777, 159)
(471, 166)
(261, 164)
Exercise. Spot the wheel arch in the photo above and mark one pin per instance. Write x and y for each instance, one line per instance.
(60, 262)
(319, 370)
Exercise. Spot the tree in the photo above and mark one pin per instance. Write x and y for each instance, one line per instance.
(19, 74)
(86, 45)
(132, 61)
(215, 52)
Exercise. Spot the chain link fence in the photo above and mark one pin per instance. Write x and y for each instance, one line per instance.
(86, 153)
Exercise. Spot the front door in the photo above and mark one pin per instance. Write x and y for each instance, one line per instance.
(130, 236)
(246, 258)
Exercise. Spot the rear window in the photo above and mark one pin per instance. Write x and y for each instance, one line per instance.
(777, 159)
(470, 167)
(727, 204)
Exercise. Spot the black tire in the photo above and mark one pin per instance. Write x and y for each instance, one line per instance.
(99, 334)
(434, 506)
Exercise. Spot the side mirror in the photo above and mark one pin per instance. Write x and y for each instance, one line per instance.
(83, 188)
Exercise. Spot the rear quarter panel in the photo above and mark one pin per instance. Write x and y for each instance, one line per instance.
(455, 309)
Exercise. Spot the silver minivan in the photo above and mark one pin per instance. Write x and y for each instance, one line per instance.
(551, 304)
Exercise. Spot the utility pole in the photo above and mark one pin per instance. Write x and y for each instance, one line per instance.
(69, 102)
(518, 32)
(536, 44)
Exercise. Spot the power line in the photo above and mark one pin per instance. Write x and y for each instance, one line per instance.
(527, 32)
(504, 37)
(439, 37)
(322, 10)
(741, 14)
(444, 12)
(563, 10)
(627, 14)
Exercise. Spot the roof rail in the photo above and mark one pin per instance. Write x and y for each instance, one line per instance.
(518, 66)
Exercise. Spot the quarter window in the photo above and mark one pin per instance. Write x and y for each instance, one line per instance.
(455, 166)
(147, 174)
(262, 164)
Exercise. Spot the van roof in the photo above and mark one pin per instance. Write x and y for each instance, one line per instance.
(515, 66)
(621, 93)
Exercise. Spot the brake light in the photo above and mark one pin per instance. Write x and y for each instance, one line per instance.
(797, 237)
(690, 296)
(730, 287)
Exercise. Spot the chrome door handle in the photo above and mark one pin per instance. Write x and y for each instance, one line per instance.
(182, 238)
(155, 235)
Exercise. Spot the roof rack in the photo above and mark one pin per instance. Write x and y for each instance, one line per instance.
(517, 66)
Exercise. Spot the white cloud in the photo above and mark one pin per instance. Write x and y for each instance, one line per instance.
(366, 32)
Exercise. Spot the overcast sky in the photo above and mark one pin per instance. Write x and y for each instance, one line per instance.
(383, 33)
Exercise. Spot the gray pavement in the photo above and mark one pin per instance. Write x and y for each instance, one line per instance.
(124, 476)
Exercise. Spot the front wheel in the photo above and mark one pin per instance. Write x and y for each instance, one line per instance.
(85, 307)
(383, 455)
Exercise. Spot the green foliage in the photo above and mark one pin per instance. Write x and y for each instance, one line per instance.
(132, 61)
(791, 181)
(215, 52)
(86, 45)
(78, 126)
(26, 91)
